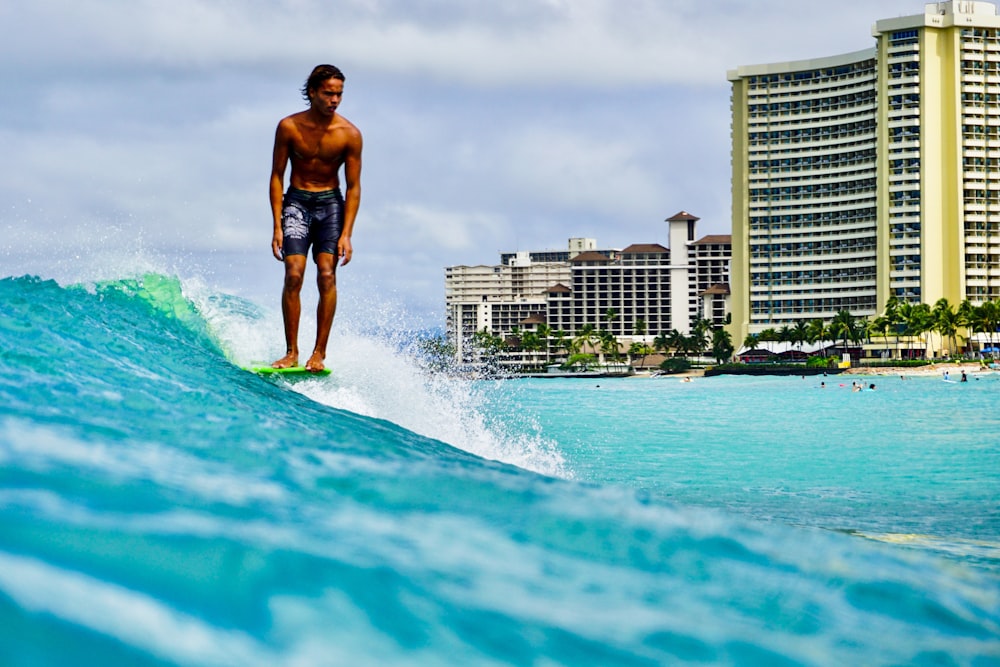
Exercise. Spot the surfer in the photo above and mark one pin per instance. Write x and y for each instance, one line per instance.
(314, 212)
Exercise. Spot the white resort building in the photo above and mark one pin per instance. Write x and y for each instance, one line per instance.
(871, 174)
(636, 294)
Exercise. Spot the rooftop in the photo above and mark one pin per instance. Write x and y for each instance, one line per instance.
(637, 248)
(715, 239)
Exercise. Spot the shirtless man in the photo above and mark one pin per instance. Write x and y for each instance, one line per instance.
(314, 212)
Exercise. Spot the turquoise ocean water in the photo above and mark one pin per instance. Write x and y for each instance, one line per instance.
(160, 506)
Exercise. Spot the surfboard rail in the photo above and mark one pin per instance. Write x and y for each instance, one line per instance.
(294, 371)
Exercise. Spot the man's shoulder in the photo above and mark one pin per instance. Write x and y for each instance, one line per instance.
(347, 126)
(297, 117)
(291, 121)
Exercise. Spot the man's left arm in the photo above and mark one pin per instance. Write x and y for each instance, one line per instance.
(352, 195)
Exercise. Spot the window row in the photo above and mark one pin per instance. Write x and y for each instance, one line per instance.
(845, 159)
(855, 304)
(820, 189)
(865, 67)
(816, 133)
(808, 105)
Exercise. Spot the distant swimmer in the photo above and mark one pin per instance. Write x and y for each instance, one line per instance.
(871, 387)
(964, 377)
(314, 212)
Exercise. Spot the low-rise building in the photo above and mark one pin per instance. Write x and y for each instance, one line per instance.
(636, 294)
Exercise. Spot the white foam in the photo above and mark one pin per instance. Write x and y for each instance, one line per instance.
(374, 377)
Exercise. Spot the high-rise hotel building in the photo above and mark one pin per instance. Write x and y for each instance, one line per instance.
(869, 174)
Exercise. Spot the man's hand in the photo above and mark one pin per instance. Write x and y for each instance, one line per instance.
(344, 249)
(276, 243)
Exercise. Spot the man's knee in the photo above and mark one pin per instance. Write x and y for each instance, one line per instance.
(326, 278)
(293, 280)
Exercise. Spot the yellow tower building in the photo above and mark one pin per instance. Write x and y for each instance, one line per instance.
(871, 174)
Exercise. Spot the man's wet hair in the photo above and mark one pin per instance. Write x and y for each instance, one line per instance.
(320, 74)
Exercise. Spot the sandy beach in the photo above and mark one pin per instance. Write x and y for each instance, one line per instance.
(971, 368)
(954, 369)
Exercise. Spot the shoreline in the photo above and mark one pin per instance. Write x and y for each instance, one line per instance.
(930, 370)
(953, 368)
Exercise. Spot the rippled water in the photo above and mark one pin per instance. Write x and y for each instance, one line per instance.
(158, 505)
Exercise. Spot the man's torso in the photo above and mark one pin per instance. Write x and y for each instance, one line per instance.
(316, 152)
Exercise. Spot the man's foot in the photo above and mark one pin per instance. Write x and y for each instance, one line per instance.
(288, 361)
(315, 363)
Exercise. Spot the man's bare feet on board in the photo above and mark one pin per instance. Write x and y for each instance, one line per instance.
(315, 363)
(290, 360)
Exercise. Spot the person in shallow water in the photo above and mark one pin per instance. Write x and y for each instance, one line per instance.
(314, 212)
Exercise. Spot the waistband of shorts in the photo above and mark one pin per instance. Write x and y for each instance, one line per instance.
(318, 195)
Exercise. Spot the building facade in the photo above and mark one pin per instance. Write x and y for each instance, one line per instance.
(871, 174)
(636, 294)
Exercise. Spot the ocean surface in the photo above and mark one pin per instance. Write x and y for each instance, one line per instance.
(161, 506)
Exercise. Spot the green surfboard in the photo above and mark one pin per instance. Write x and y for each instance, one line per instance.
(294, 371)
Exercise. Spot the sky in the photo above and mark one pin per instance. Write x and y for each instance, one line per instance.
(139, 133)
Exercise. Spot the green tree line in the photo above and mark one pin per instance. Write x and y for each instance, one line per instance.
(900, 319)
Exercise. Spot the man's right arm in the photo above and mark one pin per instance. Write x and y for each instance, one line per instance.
(278, 162)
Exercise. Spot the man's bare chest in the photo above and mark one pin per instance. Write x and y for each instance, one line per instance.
(325, 146)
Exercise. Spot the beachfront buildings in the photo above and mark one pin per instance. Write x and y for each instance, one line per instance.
(870, 174)
(636, 293)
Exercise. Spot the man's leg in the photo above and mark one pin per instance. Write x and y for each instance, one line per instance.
(291, 309)
(326, 281)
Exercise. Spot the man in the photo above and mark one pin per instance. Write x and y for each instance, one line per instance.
(314, 212)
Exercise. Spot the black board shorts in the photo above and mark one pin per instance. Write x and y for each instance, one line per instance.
(311, 219)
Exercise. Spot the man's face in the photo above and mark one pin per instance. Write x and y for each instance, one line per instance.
(326, 98)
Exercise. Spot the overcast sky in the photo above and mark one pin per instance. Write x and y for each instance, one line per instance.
(140, 131)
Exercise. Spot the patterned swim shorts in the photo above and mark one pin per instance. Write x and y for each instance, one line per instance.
(311, 219)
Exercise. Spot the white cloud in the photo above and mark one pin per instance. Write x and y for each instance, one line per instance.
(416, 226)
(534, 42)
(593, 172)
(489, 126)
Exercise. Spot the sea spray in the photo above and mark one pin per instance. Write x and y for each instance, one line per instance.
(381, 375)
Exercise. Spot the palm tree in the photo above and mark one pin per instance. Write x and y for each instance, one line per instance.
(769, 335)
(639, 328)
(560, 341)
(585, 337)
(785, 334)
(486, 344)
(662, 343)
(676, 341)
(988, 317)
(967, 318)
(817, 332)
(544, 332)
(800, 333)
(879, 326)
(844, 326)
(610, 315)
(609, 344)
(699, 340)
(722, 345)
(984, 318)
(946, 323)
(943, 316)
(917, 319)
(640, 350)
(532, 343)
(894, 318)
